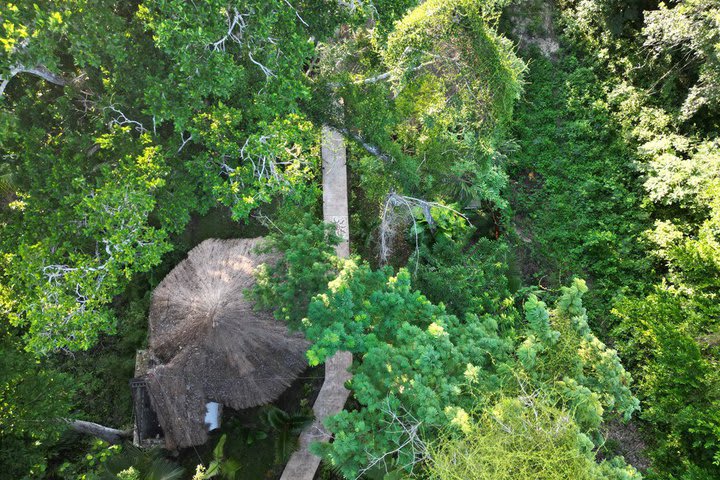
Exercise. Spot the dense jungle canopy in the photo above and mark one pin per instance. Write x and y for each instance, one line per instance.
(534, 192)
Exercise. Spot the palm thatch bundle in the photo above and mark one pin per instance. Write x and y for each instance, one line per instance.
(210, 345)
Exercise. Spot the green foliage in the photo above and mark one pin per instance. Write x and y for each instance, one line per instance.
(422, 366)
(33, 400)
(88, 464)
(690, 29)
(418, 369)
(307, 264)
(428, 101)
(468, 278)
(560, 349)
(442, 221)
(519, 439)
(479, 63)
(101, 374)
(132, 463)
(576, 198)
(659, 75)
(63, 287)
(416, 361)
(220, 467)
(287, 428)
(666, 338)
(289, 142)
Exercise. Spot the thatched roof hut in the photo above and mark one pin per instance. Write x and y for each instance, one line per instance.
(210, 345)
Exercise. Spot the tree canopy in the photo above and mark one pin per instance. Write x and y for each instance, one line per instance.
(498, 151)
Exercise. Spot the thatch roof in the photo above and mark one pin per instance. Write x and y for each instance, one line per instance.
(211, 345)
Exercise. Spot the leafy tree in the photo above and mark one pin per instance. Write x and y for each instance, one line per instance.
(689, 28)
(676, 369)
(63, 288)
(188, 104)
(415, 362)
(559, 348)
(307, 265)
(656, 77)
(426, 103)
(419, 368)
(33, 401)
(468, 276)
(522, 438)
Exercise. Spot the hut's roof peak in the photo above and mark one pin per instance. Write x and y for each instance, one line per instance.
(210, 342)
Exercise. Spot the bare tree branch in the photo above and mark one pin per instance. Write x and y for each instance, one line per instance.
(236, 27)
(38, 71)
(405, 429)
(296, 13)
(268, 73)
(387, 75)
(47, 75)
(389, 222)
(184, 141)
(4, 84)
(369, 147)
(111, 435)
(121, 119)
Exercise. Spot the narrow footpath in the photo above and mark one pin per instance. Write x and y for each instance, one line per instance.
(333, 394)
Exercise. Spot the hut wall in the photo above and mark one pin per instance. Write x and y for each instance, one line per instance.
(147, 426)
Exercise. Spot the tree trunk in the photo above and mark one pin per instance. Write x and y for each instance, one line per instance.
(110, 435)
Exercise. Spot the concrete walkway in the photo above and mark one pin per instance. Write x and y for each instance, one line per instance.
(333, 394)
(331, 400)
